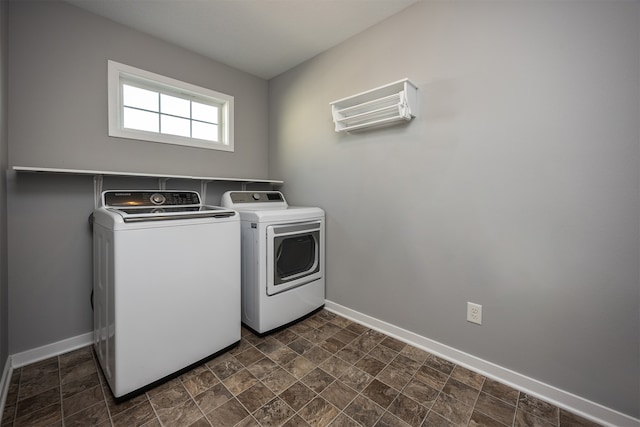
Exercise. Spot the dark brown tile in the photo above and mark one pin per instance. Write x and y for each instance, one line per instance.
(432, 377)
(300, 346)
(370, 365)
(421, 392)
(496, 408)
(332, 345)
(573, 420)
(335, 366)
(240, 381)
(183, 414)
(8, 415)
(38, 401)
(539, 408)
(299, 367)
(340, 321)
(300, 328)
(262, 367)
(38, 370)
(338, 394)
(296, 421)
(364, 410)
(285, 336)
(196, 384)
(274, 413)
(415, 354)
(356, 378)
(255, 396)
(468, 377)
(345, 336)
(213, 398)
(249, 356)
(394, 376)
(380, 393)
(461, 391)
(269, 345)
(283, 355)
(228, 414)
(393, 344)
(343, 421)
(226, 367)
(435, 420)
(356, 328)
(501, 391)
(297, 396)
(317, 380)
(83, 400)
(118, 408)
(91, 416)
(525, 419)
(35, 386)
(367, 341)
(350, 354)
(440, 364)
(135, 416)
(405, 364)
(317, 355)
(74, 372)
(80, 385)
(383, 354)
(75, 357)
(452, 409)
(408, 410)
(390, 420)
(169, 398)
(202, 422)
(329, 330)
(278, 380)
(478, 419)
(48, 416)
(319, 412)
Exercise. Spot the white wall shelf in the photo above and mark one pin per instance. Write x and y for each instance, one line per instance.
(162, 178)
(383, 106)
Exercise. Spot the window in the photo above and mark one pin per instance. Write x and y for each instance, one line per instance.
(151, 107)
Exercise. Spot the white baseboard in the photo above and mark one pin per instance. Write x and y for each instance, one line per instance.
(40, 353)
(563, 399)
(5, 382)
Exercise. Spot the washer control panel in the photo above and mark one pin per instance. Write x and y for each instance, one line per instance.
(117, 199)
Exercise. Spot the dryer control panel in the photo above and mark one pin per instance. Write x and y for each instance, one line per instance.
(240, 197)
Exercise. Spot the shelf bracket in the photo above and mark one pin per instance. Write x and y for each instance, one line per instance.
(243, 185)
(97, 190)
(162, 183)
(203, 191)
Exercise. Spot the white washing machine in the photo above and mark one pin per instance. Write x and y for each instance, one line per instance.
(166, 285)
(282, 259)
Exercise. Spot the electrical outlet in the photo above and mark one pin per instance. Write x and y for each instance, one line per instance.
(474, 313)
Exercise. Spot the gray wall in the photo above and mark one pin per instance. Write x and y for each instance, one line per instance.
(4, 309)
(516, 187)
(58, 118)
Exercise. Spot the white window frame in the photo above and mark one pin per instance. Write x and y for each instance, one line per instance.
(119, 73)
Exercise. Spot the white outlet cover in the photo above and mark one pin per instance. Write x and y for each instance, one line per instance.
(474, 313)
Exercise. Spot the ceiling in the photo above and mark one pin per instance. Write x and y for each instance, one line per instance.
(261, 37)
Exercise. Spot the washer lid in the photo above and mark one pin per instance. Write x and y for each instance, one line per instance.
(290, 214)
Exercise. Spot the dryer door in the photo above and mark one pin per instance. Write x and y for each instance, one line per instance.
(293, 255)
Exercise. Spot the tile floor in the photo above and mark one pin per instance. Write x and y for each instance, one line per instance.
(323, 371)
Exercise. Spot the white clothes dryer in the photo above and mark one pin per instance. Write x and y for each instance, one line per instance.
(282, 259)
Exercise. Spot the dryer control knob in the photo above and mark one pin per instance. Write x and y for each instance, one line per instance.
(256, 196)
